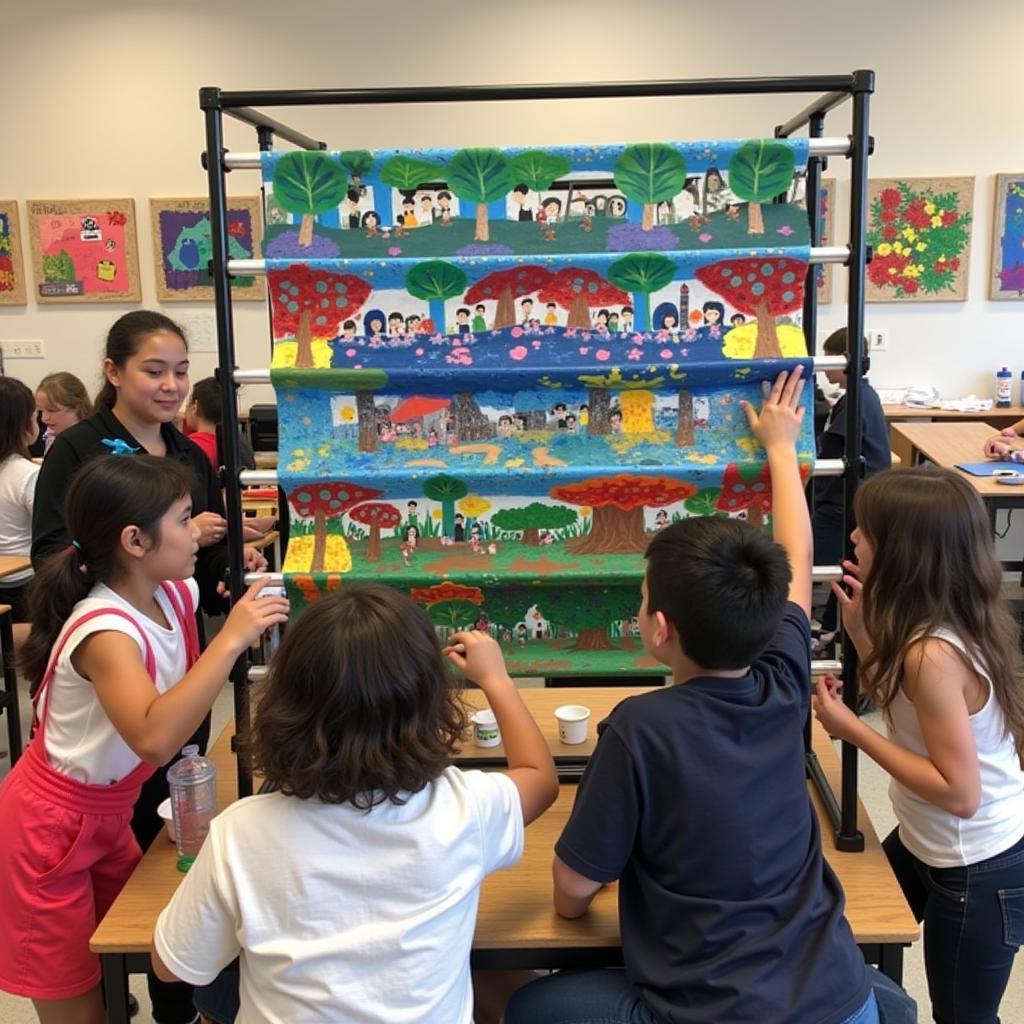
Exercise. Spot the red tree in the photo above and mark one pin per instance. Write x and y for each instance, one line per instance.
(577, 289)
(765, 287)
(308, 304)
(505, 286)
(377, 516)
(740, 493)
(321, 501)
(618, 503)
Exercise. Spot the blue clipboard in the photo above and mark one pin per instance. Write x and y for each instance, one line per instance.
(990, 468)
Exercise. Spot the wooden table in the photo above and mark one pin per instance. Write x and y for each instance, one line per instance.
(11, 564)
(894, 414)
(517, 926)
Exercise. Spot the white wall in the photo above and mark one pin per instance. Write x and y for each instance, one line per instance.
(102, 101)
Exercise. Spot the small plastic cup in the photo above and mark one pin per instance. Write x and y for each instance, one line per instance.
(164, 810)
(573, 723)
(485, 728)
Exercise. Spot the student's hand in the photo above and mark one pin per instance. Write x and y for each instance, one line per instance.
(838, 720)
(1000, 445)
(252, 614)
(253, 560)
(850, 593)
(478, 657)
(211, 527)
(781, 415)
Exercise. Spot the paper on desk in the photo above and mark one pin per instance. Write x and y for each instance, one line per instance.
(972, 403)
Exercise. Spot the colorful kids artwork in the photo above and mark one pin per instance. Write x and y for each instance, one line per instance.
(12, 270)
(1006, 280)
(920, 231)
(496, 421)
(84, 250)
(182, 247)
(827, 213)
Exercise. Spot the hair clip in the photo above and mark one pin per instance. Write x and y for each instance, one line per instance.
(119, 447)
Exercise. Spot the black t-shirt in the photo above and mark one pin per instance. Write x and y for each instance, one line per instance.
(696, 800)
(828, 490)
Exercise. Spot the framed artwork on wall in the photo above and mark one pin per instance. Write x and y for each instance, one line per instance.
(182, 247)
(1006, 275)
(84, 250)
(827, 212)
(920, 230)
(12, 269)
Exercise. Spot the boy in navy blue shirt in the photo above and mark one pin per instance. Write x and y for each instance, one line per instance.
(695, 798)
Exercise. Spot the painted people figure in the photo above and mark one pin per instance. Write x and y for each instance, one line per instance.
(396, 325)
(626, 320)
(526, 312)
(551, 315)
(660, 519)
(373, 322)
(459, 532)
(714, 313)
(352, 208)
(520, 196)
(479, 322)
(462, 320)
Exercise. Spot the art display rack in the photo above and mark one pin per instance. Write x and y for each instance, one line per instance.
(509, 368)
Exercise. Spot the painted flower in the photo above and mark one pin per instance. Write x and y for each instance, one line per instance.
(785, 230)
(633, 353)
(395, 250)
(704, 237)
(602, 355)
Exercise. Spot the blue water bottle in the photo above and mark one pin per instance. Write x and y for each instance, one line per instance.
(1004, 389)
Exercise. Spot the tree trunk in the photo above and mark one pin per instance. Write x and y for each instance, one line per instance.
(483, 227)
(600, 401)
(306, 231)
(767, 344)
(531, 537)
(755, 219)
(367, 416)
(593, 640)
(579, 314)
(470, 423)
(319, 541)
(304, 341)
(536, 419)
(755, 513)
(648, 220)
(505, 314)
(612, 531)
(373, 544)
(684, 425)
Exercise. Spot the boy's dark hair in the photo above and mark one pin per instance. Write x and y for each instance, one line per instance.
(206, 395)
(722, 584)
(835, 345)
(522, 188)
(351, 716)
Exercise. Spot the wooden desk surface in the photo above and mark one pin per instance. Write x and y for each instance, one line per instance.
(10, 564)
(515, 905)
(946, 444)
(910, 412)
(265, 460)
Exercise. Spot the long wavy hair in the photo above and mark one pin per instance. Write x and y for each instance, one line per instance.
(934, 565)
(359, 706)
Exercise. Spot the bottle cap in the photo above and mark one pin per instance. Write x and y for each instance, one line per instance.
(184, 863)
(190, 751)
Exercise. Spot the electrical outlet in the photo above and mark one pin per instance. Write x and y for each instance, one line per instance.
(22, 348)
(878, 339)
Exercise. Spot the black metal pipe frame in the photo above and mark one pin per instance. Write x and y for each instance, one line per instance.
(836, 89)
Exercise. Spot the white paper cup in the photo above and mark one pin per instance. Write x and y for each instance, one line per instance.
(573, 723)
(485, 728)
(164, 810)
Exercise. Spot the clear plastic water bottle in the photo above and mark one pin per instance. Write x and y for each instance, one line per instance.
(1004, 388)
(193, 785)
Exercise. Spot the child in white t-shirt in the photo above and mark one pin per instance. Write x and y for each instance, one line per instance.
(350, 892)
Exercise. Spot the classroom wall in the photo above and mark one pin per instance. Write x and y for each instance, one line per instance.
(102, 101)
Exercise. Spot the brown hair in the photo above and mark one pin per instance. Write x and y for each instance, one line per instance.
(125, 338)
(66, 391)
(934, 565)
(17, 415)
(359, 706)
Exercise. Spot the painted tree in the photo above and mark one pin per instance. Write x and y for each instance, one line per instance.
(533, 518)
(479, 176)
(447, 490)
(508, 606)
(307, 303)
(599, 389)
(589, 612)
(474, 506)
(407, 173)
(746, 490)
(758, 172)
(450, 604)
(650, 173)
(435, 281)
(577, 289)
(504, 287)
(323, 501)
(618, 504)
(704, 502)
(764, 287)
(642, 273)
(537, 170)
(377, 516)
(470, 423)
(308, 183)
(358, 162)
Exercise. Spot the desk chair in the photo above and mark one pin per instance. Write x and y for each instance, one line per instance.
(9, 693)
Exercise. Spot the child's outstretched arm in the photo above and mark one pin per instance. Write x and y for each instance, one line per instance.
(530, 765)
(777, 427)
(154, 724)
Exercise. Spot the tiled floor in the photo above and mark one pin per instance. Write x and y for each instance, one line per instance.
(873, 785)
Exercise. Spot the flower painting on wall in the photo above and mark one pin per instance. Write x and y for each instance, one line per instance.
(920, 231)
(12, 270)
(1006, 279)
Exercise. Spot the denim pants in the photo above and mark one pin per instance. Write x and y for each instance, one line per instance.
(973, 925)
(609, 997)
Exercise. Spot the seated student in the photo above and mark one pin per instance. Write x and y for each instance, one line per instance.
(351, 892)
(62, 402)
(827, 504)
(695, 798)
(203, 415)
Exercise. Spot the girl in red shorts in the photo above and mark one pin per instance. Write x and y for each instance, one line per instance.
(121, 686)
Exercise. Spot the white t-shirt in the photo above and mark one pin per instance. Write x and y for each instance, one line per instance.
(80, 739)
(941, 839)
(341, 914)
(17, 494)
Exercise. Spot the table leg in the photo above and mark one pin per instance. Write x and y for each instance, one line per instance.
(115, 987)
(890, 961)
(10, 678)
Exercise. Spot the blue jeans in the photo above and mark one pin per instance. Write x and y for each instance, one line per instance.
(973, 926)
(609, 997)
(219, 1000)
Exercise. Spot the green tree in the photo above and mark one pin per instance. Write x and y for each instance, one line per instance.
(447, 490)
(533, 518)
(703, 503)
(759, 171)
(588, 612)
(455, 614)
(537, 169)
(507, 607)
(434, 281)
(357, 162)
(59, 268)
(479, 176)
(306, 184)
(407, 173)
(642, 273)
(650, 173)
